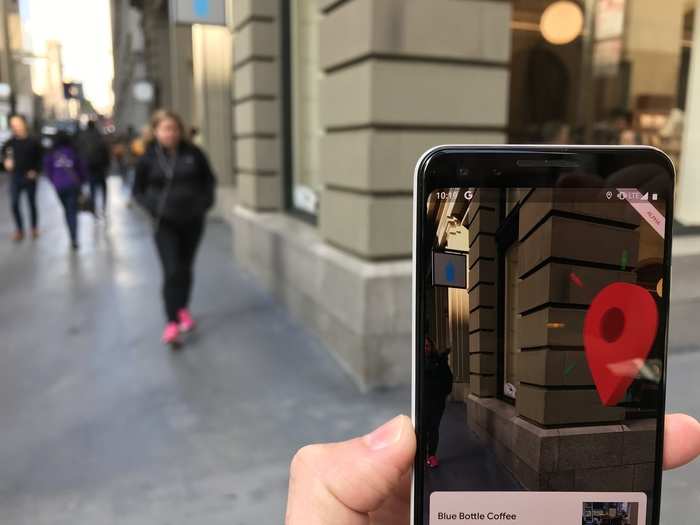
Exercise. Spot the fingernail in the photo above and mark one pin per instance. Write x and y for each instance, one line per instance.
(386, 435)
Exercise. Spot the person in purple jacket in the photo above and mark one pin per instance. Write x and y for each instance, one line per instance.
(66, 171)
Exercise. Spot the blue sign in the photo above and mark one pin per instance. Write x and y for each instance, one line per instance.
(450, 272)
(209, 12)
(450, 269)
(201, 8)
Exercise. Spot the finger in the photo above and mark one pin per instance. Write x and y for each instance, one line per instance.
(681, 440)
(340, 483)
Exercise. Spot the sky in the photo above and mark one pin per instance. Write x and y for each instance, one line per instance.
(84, 30)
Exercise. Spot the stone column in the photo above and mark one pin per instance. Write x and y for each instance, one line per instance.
(568, 249)
(482, 223)
(212, 83)
(402, 76)
(181, 72)
(256, 112)
(568, 252)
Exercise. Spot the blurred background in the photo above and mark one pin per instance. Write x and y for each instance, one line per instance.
(313, 114)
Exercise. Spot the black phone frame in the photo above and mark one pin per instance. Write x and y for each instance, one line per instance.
(532, 166)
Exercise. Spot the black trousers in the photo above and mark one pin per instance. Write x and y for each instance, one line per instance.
(17, 187)
(177, 245)
(98, 184)
(435, 409)
(69, 200)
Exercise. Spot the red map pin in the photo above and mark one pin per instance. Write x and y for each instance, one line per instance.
(618, 333)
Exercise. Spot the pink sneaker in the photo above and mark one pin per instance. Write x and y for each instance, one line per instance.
(187, 323)
(432, 462)
(171, 334)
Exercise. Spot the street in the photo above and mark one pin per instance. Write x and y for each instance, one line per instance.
(101, 424)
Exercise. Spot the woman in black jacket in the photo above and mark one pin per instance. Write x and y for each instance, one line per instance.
(175, 184)
(437, 386)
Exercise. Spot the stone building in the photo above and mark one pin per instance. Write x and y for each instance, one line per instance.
(314, 113)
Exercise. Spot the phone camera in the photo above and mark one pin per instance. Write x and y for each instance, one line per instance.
(463, 172)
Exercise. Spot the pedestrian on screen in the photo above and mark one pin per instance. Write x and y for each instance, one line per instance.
(437, 386)
(95, 153)
(21, 158)
(175, 184)
(137, 149)
(66, 171)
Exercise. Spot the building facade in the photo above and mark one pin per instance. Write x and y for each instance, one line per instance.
(152, 62)
(334, 101)
(15, 71)
(315, 112)
(537, 258)
(130, 109)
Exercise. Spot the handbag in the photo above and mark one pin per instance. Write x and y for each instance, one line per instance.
(85, 203)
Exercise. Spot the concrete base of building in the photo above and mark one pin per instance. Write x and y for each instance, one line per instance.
(582, 458)
(360, 310)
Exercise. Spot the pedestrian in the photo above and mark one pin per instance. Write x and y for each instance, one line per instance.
(437, 386)
(66, 171)
(119, 152)
(175, 184)
(137, 148)
(95, 153)
(21, 158)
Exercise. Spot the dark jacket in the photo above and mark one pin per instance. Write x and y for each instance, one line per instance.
(26, 154)
(438, 378)
(94, 152)
(64, 168)
(185, 197)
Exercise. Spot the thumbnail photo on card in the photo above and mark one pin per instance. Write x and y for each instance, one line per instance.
(542, 354)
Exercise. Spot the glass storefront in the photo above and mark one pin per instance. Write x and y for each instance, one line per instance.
(600, 71)
(580, 72)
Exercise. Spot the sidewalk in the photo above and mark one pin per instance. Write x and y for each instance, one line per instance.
(101, 424)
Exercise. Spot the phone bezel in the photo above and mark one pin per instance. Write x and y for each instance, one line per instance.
(497, 166)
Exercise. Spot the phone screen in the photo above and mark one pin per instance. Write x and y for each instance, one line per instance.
(540, 354)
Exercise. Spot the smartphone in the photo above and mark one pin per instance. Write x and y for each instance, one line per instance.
(540, 321)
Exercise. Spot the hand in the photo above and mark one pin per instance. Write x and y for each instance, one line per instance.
(360, 481)
(9, 165)
(367, 480)
(681, 440)
(32, 174)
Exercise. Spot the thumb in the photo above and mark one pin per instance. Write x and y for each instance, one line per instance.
(340, 483)
(681, 440)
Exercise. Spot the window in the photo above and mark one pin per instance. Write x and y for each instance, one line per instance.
(301, 118)
(600, 71)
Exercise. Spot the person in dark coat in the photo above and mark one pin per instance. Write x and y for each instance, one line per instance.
(21, 158)
(95, 153)
(175, 184)
(66, 171)
(437, 385)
